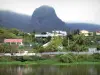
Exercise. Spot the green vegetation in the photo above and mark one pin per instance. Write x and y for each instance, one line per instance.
(70, 58)
(7, 48)
(72, 42)
(58, 59)
(54, 44)
(76, 42)
(44, 62)
(28, 38)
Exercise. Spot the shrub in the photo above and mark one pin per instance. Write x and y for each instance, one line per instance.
(83, 57)
(27, 58)
(69, 58)
(96, 56)
(98, 47)
(5, 59)
(66, 58)
(18, 58)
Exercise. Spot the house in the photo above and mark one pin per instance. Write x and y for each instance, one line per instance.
(97, 32)
(60, 33)
(84, 32)
(16, 41)
(53, 33)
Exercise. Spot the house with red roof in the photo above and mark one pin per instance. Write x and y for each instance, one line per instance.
(97, 32)
(16, 41)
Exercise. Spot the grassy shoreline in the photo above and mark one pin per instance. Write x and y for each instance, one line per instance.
(46, 62)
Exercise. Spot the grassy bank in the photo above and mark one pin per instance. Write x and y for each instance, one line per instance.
(44, 62)
(66, 59)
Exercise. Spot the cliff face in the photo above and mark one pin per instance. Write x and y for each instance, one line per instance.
(44, 18)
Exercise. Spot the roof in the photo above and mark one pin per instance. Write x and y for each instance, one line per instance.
(97, 31)
(84, 31)
(13, 40)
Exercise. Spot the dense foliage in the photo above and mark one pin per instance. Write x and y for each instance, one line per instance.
(13, 33)
(72, 42)
(70, 58)
(79, 42)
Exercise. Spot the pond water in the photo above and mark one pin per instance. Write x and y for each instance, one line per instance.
(50, 70)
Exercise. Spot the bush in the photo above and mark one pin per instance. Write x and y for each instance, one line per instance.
(5, 59)
(96, 56)
(69, 58)
(18, 58)
(27, 58)
(66, 58)
(84, 57)
(98, 47)
(39, 49)
(32, 58)
(84, 48)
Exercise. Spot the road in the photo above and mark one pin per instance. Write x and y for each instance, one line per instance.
(45, 53)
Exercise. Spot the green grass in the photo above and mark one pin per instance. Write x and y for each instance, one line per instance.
(44, 62)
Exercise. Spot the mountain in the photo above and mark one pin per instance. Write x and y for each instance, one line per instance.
(83, 26)
(14, 20)
(44, 19)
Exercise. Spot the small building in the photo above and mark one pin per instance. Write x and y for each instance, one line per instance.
(84, 32)
(41, 35)
(54, 33)
(60, 33)
(92, 49)
(97, 32)
(16, 41)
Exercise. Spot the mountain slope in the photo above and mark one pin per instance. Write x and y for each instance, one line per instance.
(83, 26)
(13, 20)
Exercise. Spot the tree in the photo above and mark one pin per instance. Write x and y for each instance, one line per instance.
(27, 38)
(43, 33)
(1, 49)
(98, 47)
(5, 33)
(15, 31)
(54, 44)
(76, 32)
(33, 36)
(13, 48)
(7, 48)
(76, 43)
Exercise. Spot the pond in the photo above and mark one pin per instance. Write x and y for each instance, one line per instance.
(49, 70)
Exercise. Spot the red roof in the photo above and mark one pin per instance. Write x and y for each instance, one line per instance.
(13, 40)
(98, 31)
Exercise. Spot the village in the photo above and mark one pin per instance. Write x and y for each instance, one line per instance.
(46, 38)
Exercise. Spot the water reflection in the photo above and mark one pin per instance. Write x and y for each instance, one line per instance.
(50, 70)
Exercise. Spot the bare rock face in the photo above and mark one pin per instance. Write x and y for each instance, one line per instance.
(44, 19)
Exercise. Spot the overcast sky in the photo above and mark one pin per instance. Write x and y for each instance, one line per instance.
(87, 11)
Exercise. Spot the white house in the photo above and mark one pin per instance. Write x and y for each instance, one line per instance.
(85, 32)
(54, 33)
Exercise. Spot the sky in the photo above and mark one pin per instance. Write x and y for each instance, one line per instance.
(85, 11)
